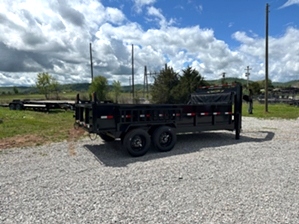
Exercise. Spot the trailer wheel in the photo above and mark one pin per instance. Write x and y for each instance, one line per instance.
(106, 137)
(12, 106)
(137, 142)
(19, 106)
(164, 138)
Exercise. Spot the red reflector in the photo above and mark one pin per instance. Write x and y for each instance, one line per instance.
(107, 117)
(204, 114)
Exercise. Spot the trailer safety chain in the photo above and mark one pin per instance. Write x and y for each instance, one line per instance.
(76, 126)
(92, 138)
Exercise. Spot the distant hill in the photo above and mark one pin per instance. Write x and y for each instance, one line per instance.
(20, 89)
(82, 87)
(77, 87)
(294, 83)
(227, 80)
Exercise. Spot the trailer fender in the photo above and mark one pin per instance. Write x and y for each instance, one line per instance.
(106, 137)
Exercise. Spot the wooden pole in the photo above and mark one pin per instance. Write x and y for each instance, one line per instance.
(91, 64)
(266, 58)
(144, 81)
(133, 72)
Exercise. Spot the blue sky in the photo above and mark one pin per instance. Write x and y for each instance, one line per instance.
(212, 36)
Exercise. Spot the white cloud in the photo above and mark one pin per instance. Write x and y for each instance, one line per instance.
(289, 3)
(139, 4)
(152, 11)
(283, 55)
(199, 8)
(115, 15)
(54, 36)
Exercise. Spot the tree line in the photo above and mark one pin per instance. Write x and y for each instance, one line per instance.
(168, 87)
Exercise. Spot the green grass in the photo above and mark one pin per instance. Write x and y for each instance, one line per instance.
(53, 126)
(279, 110)
(57, 125)
(8, 98)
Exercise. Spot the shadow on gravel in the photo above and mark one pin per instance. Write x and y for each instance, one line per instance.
(112, 154)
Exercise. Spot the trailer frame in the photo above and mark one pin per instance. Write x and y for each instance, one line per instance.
(137, 125)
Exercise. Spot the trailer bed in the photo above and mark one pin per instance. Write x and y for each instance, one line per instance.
(40, 105)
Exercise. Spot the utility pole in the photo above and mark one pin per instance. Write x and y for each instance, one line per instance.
(145, 82)
(130, 84)
(91, 64)
(247, 74)
(133, 72)
(266, 58)
(223, 78)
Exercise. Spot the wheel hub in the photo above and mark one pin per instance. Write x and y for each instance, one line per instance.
(164, 138)
(137, 142)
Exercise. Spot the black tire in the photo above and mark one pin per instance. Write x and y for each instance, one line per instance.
(164, 138)
(238, 126)
(12, 106)
(106, 138)
(19, 106)
(137, 142)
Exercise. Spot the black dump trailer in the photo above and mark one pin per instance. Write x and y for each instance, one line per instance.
(141, 125)
(40, 105)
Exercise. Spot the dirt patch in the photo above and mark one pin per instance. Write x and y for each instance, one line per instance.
(34, 140)
(74, 135)
(21, 141)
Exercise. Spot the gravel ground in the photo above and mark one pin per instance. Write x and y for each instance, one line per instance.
(206, 178)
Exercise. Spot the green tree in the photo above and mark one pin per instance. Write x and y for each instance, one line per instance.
(55, 87)
(164, 87)
(15, 90)
(116, 89)
(189, 82)
(45, 83)
(262, 85)
(255, 87)
(99, 86)
(270, 85)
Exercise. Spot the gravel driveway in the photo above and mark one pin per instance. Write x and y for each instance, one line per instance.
(206, 178)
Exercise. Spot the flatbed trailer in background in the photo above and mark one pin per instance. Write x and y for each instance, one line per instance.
(139, 125)
(40, 105)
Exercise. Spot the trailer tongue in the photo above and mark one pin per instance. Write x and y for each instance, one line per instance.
(137, 125)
